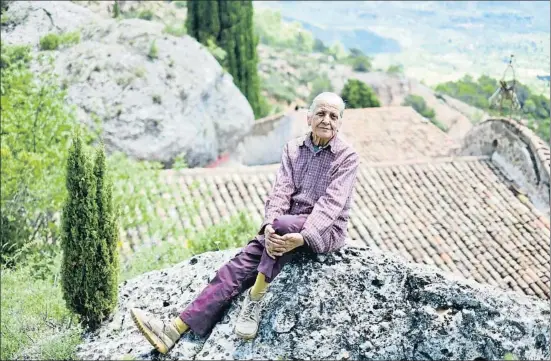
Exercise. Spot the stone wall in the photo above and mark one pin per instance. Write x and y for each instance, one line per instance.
(264, 143)
(523, 156)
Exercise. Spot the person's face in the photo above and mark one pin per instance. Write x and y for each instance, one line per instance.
(325, 121)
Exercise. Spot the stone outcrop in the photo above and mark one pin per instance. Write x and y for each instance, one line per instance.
(357, 303)
(150, 104)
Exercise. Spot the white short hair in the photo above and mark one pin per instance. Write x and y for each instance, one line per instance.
(330, 98)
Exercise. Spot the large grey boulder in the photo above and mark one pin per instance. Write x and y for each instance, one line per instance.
(28, 21)
(357, 303)
(177, 102)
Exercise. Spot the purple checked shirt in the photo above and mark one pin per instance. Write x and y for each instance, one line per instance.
(319, 184)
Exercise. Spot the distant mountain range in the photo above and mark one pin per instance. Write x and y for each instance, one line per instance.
(363, 39)
(434, 40)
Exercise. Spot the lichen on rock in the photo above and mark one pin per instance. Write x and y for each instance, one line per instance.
(357, 303)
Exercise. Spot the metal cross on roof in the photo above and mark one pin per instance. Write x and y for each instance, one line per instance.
(506, 91)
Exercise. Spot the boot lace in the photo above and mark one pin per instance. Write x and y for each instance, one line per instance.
(251, 310)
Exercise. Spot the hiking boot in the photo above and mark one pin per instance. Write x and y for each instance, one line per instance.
(159, 334)
(247, 322)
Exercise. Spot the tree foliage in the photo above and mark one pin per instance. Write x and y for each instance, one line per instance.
(358, 94)
(395, 69)
(53, 41)
(275, 32)
(535, 108)
(319, 46)
(358, 60)
(107, 259)
(319, 85)
(89, 267)
(229, 24)
(418, 103)
(36, 126)
(337, 50)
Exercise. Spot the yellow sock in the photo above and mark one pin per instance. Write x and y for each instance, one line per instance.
(180, 325)
(260, 287)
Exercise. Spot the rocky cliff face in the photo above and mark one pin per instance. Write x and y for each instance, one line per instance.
(355, 304)
(156, 96)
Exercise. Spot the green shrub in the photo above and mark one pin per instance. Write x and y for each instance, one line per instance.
(36, 126)
(274, 85)
(90, 259)
(337, 50)
(536, 107)
(418, 103)
(70, 38)
(13, 58)
(358, 94)
(4, 19)
(439, 124)
(265, 107)
(116, 9)
(180, 4)
(319, 85)
(147, 259)
(234, 233)
(358, 60)
(361, 64)
(146, 14)
(178, 29)
(395, 69)
(139, 72)
(216, 51)
(273, 31)
(319, 46)
(53, 41)
(153, 51)
(50, 42)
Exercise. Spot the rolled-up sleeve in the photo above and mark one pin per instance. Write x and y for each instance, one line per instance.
(329, 206)
(279, 201)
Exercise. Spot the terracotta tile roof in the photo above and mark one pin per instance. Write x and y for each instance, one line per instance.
(456, 213)
(394, 133)
(378, 134)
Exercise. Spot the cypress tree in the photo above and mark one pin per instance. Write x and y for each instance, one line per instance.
(107, 257)
(116, 9)
(230, 25)
(87, 265)
(79, 231)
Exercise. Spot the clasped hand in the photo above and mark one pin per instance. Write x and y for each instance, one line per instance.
(277, 245)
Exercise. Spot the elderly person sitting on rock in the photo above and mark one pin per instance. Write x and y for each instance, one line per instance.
(307, 210)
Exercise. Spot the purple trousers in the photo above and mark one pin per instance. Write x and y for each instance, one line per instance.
(238, 275)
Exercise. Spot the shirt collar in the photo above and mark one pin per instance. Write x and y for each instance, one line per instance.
(306, 139)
